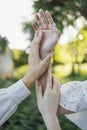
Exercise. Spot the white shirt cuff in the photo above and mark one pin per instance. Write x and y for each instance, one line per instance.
(18, 91)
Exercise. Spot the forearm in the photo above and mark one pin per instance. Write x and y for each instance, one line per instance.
(51, 122)
(63, 111)
(28, 80)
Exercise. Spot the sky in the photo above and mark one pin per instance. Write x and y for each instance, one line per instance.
(12, 14)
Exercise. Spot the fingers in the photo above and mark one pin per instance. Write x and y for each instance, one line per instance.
(36, 42)
(42, 16)
(41, 22)
(49, 80)
(34, 51)
(38, 20)
(46, 60)
(38, 90)
(35, 27)
(43, 19)
(49, 17)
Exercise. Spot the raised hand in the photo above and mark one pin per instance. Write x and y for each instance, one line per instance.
(47, 25)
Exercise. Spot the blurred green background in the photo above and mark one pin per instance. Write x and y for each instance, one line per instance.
(68, 63)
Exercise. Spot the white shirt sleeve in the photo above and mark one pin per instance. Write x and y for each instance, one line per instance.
(74, 98)
(10, 98)
(79, 119)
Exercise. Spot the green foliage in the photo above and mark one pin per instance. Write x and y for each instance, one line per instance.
(27, 116)
(3, 44)
(66, 124)
(19, 57)
(4, 82)
(63, 71)
(20, 71)
(27, 28)
(74, 52)
(64, 12)
(61, 54)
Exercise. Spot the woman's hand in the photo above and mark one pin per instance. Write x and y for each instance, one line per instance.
(48, 103)
(46, 24)
(36, 65)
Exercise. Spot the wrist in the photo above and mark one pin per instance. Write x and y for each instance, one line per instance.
(48, 115)
(51, 121)
(28, 80)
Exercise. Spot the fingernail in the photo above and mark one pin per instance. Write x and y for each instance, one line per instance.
(38, 14)
(46, 11)
(40, 10)
(36, 31)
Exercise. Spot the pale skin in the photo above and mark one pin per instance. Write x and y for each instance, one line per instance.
(44, 25)
(45, 22)
(36, 65)
(46, 101)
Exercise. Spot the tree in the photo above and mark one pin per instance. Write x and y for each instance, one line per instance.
(19, 57)
(64, 12)
(3, 44)
(74, 52)
(27, 28)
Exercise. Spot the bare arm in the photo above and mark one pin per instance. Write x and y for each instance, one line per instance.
(51, 122)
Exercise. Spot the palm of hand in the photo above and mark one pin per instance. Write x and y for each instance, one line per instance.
(47, 25)
(49, 41)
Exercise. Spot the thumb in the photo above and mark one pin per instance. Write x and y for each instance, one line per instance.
(38, 37)
(36, 42)
(46, 60)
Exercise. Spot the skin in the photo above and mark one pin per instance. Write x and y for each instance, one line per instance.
(41, 19)
(36, 65)
(45, 22)
(49, 99)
